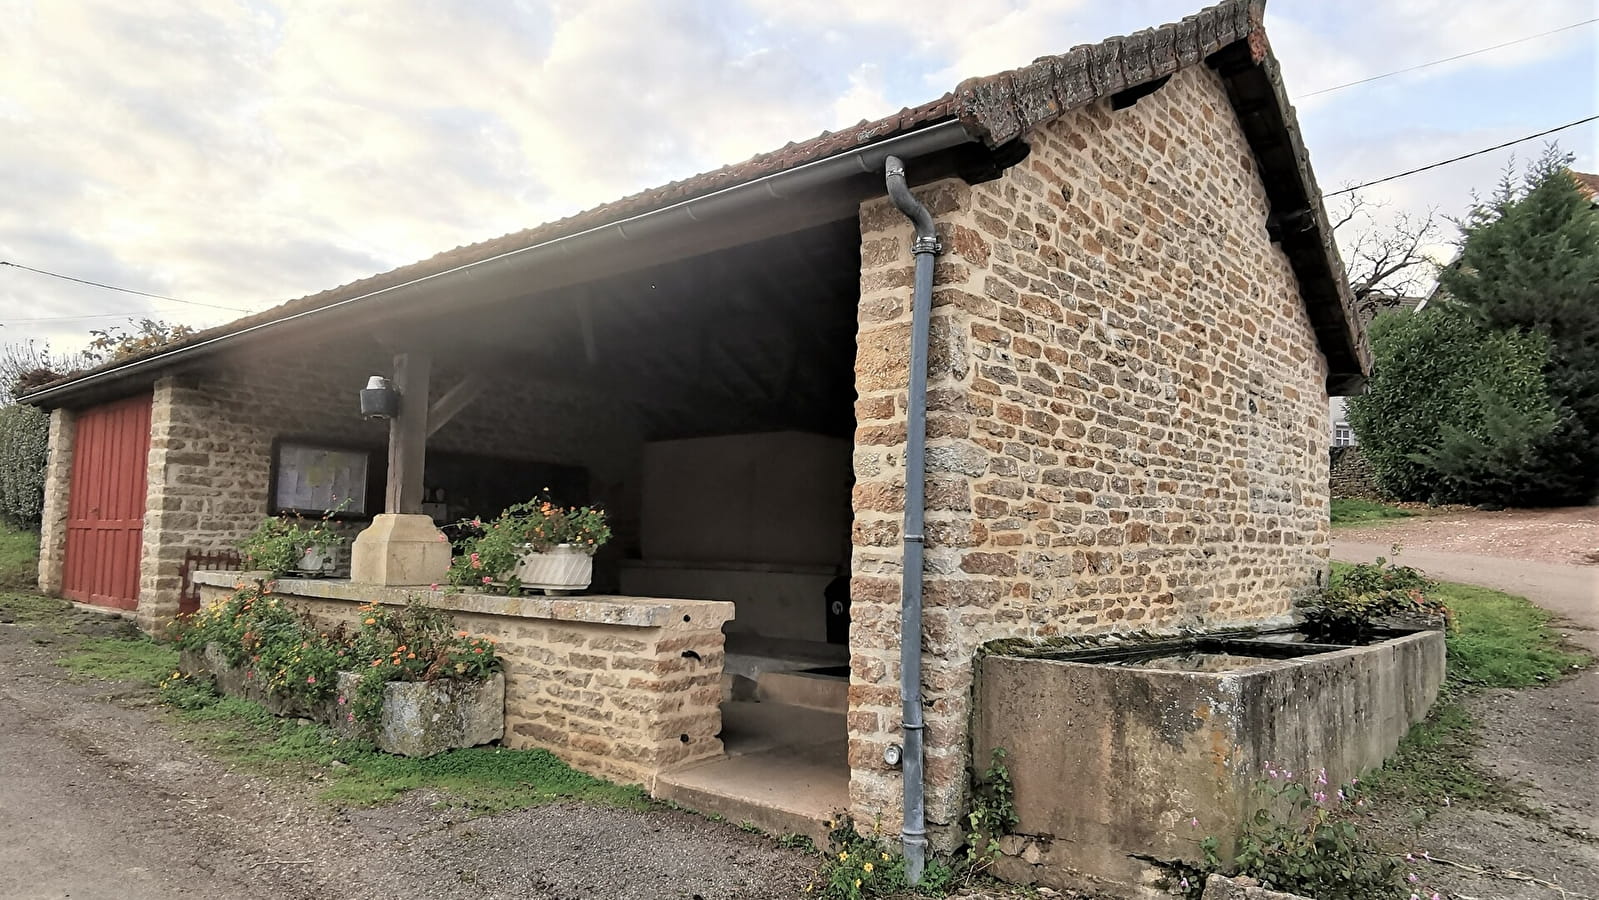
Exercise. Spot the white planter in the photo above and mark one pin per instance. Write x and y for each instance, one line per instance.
(316, 561)
(561, 569)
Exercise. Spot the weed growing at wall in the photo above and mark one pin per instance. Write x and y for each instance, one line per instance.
(1302, 839)
(1361, 597)
(993, 813)
(858, 868)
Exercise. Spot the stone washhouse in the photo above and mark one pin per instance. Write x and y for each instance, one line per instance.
(1137, 315)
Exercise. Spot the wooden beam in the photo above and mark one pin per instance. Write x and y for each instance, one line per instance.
(408, 434)
(453, 401)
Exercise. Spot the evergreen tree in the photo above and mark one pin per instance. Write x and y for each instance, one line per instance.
(1454, 412)
(1529, 263)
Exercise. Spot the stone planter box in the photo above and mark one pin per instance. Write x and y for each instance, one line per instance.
(419, 718)
(1110, 760)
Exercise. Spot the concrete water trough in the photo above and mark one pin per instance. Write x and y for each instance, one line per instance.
(1114, 752)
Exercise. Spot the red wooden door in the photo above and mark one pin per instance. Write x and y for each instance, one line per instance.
(105, 511)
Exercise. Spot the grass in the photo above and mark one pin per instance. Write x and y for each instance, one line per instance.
(1348, 512)
(354, 773)
(19, 558)
(1500, 641)
(139, 660)
(32, 609)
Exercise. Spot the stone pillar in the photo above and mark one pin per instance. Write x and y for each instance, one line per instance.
(57, 488)
(176, 415)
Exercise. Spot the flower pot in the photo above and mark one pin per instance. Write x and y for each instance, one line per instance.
(315, 561)
(561, 569)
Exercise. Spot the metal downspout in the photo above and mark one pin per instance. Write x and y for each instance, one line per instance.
(913, 835)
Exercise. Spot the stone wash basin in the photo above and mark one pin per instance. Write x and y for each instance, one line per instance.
(1112, 752)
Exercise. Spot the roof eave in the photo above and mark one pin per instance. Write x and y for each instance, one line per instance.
(515, 266)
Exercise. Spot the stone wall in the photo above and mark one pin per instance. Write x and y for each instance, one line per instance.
(620, 687)
(1127, 415)
(57, 486)
(1350, 476)
(212, 434)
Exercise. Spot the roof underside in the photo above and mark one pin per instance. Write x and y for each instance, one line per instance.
(996, 110)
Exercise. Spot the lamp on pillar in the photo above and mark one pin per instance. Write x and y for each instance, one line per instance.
(379, 399)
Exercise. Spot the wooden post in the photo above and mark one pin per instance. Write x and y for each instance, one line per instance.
(408, 434)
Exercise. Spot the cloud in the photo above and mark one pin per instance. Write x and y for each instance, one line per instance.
(243, 153)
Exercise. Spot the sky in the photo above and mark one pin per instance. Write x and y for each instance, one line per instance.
(239, 154)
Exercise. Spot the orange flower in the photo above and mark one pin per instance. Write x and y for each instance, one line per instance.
(371, 621)
(376, 663)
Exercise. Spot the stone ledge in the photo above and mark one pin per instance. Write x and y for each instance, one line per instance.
(635, 612)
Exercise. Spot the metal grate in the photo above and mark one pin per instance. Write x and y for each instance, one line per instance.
(203, 561)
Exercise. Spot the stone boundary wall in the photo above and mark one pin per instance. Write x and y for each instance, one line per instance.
(1127, 424)
(1350, 475)
(620, 687)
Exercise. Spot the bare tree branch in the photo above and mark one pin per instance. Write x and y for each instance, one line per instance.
(1385, 263)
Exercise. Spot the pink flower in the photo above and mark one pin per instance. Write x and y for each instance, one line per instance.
(350, 717)
(1183, 884)
(1322, 778)
(1193, 823)
(487, 580)
(434, 586)
(310, 679)
(1412, 878)
(341, 701)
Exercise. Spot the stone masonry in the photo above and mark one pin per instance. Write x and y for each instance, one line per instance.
(1127, 415)
(57, 487)
(620, 687)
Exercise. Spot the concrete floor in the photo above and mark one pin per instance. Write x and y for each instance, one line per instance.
(785, 771)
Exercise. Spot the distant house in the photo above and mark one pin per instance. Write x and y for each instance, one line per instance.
(1342, 434)
(1135, 318)
(1588, 184)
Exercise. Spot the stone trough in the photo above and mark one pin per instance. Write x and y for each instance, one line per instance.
(1114, 754)
(419, 718)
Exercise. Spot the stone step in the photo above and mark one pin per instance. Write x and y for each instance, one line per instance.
(828, 693)
(778, 792)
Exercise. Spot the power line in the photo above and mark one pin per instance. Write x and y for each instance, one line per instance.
(126, 315)
(112, 287)
(1530, 37)
(1456, 159)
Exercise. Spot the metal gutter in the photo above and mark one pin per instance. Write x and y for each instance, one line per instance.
(790, 183)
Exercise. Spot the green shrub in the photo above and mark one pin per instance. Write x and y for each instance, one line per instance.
(283, 651)
(1455, 412)
(1359, 598)
(24, 451)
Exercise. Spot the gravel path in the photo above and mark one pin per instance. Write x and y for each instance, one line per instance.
(1545, 740)
(1567, 536)
(98, 801)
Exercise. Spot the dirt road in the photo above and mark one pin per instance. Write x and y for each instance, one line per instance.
(1545, 741)
(98, 800)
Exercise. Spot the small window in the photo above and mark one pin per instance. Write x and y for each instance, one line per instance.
(310, 479)
(1343, 436)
